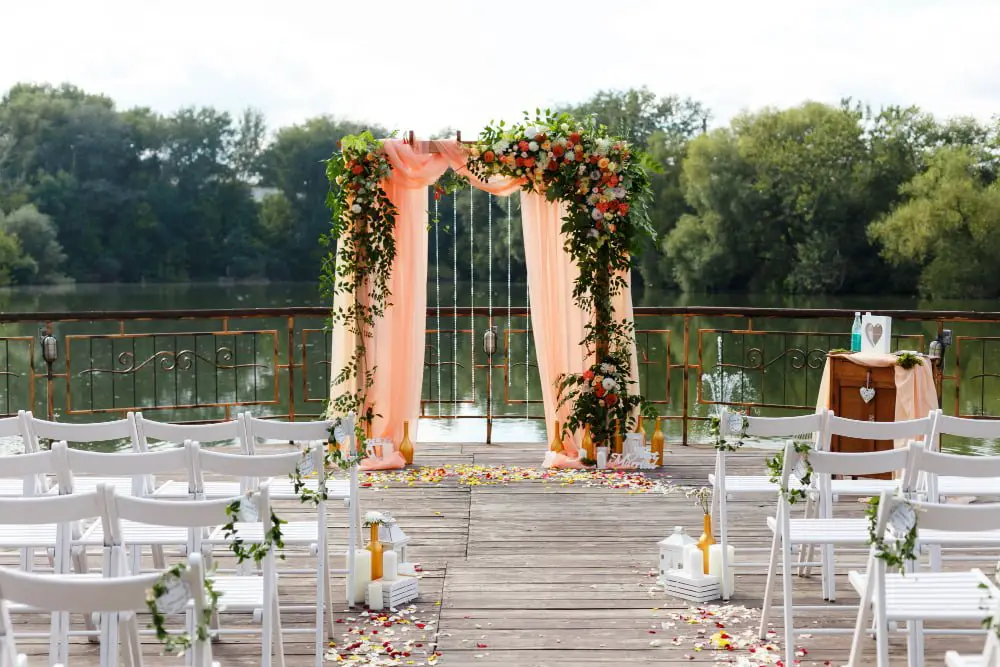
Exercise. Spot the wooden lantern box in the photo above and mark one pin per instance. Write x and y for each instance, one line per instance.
(846, 382)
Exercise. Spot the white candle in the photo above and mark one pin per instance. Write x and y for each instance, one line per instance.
(362, 573)
(375, 595)
(390, 566)
(715, 567)
(694, 562)
(602, 457)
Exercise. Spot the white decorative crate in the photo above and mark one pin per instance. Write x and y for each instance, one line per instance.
(397, 592)
(695, 589)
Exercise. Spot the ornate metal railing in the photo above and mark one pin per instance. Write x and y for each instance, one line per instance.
(203, 364)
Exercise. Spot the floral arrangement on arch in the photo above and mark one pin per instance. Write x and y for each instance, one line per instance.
(603, 183)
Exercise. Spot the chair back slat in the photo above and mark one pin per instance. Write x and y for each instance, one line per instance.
(858, 463)
(982, 429)
(118, 429)
(10, 427)
(126, 463)
(943, 517)
(287, 431)
(27, 465)
(242, 465)
(178, 514)
(955, 465)
(54, 592)
(866, 430)
(178, 433)
(51, 509)
(785, 427)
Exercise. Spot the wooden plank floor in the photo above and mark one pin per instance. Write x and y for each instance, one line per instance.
(537, 573)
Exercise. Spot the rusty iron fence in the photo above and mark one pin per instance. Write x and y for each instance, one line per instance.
(202, 365)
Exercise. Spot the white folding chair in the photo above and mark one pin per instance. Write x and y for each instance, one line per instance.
(311, 535)
(177, 434)
(140, 468)
(990, 656)
(49, 521)
(724, 485)
(28, 468)
(949, 486)
(343, 489)
(902, 432)
(12, 427)
(916, 597)
(823, 531)
(117, 430)
(927, 469)
(116, 599)
(254, 594)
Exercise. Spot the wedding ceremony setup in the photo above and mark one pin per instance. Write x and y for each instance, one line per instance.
(708, 485)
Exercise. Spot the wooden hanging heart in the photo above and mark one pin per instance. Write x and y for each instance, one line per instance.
(874, 333)
(867, 394)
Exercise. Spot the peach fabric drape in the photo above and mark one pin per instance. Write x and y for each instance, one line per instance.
(397, 347)
(916, 394)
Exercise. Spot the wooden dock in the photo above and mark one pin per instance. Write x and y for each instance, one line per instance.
(547, 573)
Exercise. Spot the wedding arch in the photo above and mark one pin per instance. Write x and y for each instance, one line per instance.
(584, 198)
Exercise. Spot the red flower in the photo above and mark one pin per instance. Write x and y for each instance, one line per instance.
(600, 391)
(574, 137)
(588, 375)
(357, 169)
(489, 156)
(613, 180)
(523, 145)
(558, 150)
(610, 399)
(529, 162)
(553, 165)
(519, 161)
(623, 209)
(540, 137)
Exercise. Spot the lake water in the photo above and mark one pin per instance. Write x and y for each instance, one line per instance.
(195, 296)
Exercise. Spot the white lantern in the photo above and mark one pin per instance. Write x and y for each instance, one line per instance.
(672, 550)
(393, 536)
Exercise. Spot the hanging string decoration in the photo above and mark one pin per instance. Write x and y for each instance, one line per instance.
(603, 183)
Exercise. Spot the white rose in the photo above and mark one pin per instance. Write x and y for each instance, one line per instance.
(564, 127)
(582, 170)
(619, 192)
(570, 156)
(355, 209)
(532, 146)
(530, 132)
(596, 214)
(609, 384)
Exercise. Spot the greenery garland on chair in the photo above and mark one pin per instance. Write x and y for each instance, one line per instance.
(776, 465)
(603, 182)
(715, 430)
(895, 553)
(167, 581)
(256, 551)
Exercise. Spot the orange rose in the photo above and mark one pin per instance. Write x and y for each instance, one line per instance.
(489, 156)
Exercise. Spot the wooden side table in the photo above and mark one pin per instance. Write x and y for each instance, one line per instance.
(846, 381)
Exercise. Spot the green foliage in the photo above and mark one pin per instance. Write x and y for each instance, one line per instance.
(894, 552)
(949, 225)
(715, 430)
(40, 246)
(10, 255)
(908, 360)
(775, 468)
(180, 642)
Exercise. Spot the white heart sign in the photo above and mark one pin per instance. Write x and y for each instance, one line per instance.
(874, 333)
(248, 511)
(902, 519)
(176, 597)
(867, 394)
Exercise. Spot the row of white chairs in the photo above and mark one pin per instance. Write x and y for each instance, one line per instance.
(930, 595)
(134, 473)
(111, 596)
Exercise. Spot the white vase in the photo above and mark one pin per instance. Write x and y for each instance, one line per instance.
(602, 457)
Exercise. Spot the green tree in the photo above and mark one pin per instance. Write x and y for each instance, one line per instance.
(37, 236)
(949, 226)
(10, 257)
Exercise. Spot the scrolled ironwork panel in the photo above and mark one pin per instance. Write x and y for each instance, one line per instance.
(316, 364)
(169, 371)
(977, 376)
(17, 375)
(768, 369)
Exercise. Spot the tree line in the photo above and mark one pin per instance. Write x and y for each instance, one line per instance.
(818, 198)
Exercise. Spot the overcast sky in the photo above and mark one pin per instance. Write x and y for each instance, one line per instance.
(460, 63)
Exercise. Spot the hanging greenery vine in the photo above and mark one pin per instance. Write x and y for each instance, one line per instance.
(356, 270)
(604, 184)
(244, 510)
(172, 591)
(901, 548)
(715, 430)
(803, 472)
